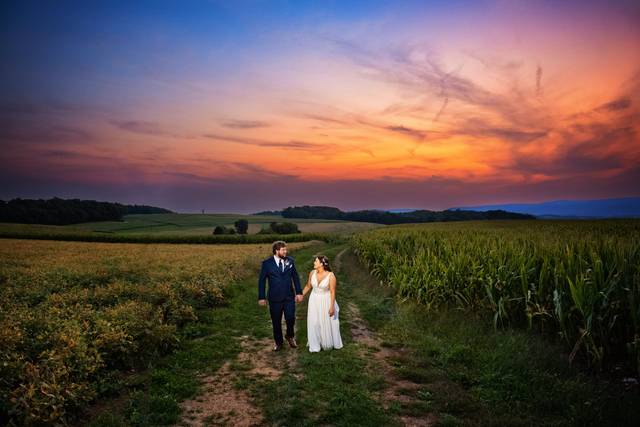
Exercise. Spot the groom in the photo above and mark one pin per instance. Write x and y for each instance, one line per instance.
(282, 275)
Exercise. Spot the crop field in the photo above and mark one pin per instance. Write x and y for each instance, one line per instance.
(74, 316)
(84, 324)
(198, 224)
(579, 280)
(189, 224)
(181, 228)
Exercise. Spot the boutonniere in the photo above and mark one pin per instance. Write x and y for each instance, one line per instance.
(287, 263)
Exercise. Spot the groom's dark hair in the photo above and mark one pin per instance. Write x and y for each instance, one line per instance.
(277, 245)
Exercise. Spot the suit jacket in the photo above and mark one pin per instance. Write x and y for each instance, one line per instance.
(281, 283)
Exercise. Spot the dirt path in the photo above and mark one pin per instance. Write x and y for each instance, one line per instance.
(222, 402)
(225, 403)
(337, 262)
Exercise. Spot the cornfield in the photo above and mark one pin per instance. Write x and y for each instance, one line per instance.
(74, 316)
(577, 279)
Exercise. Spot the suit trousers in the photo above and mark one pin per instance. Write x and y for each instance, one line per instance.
(288, 307)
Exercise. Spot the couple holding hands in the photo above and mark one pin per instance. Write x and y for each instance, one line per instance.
(323, 325)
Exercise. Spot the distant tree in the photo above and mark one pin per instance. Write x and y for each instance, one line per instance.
(242, 226)
(61, 212)
(265, 230)
(269, 213)
(323, 212)
(221, 229)
(386, 217)
(144, 209)
(280, 228)
(284, 227)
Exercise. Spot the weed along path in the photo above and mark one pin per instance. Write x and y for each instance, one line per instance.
(252, 385)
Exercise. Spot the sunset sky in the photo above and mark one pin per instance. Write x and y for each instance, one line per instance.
(241, 106)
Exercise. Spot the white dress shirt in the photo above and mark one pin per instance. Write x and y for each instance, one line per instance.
(277, 258)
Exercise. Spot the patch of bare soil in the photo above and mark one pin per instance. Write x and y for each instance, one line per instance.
(263, 362)
(221, 403)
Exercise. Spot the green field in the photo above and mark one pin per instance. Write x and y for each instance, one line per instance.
(74, 315)
(179, 225)
(467, 323)
(579, 280)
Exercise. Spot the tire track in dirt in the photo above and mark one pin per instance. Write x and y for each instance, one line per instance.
(371, 346)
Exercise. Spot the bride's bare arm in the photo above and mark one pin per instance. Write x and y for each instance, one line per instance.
(307, 287)
(332, 288)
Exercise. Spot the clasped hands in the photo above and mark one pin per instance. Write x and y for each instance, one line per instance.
(299, 298)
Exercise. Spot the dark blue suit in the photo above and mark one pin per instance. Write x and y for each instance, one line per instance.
(281, 294)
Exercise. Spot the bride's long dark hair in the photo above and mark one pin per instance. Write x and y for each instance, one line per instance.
(324, 261)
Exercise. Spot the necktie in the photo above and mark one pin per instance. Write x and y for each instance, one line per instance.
(281, 266)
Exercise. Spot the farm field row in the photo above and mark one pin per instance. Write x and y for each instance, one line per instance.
(196, 224)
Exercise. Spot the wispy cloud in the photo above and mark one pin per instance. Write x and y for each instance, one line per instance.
(480, 128)
(428, 76)
(291, 144)
(141, 127)
(51, 107)
(13, 132)
(606, 150)
(413, 133)
(616, 105)
(538, 80)
(244, 124)
(234, 171)
(75, 155)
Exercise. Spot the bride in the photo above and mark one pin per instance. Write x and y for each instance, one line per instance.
(323, 326)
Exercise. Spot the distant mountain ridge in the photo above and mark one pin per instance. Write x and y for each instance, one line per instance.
(626, 207)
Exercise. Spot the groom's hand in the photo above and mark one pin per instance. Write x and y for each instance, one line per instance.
(299, 298)
(262, 301)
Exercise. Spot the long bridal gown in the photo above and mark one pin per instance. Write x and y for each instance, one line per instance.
(323, 331)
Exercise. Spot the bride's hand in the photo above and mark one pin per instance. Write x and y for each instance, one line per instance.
(331, 312)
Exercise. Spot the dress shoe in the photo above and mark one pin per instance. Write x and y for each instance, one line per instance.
(277, 347)
(292, 342)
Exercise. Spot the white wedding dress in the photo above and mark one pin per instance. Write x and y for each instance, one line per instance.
(323, 331)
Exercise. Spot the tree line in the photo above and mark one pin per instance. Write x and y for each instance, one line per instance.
(57, 211)
(388, 218)
(241, 226)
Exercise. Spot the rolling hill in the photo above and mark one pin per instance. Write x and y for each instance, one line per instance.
(628, 207)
